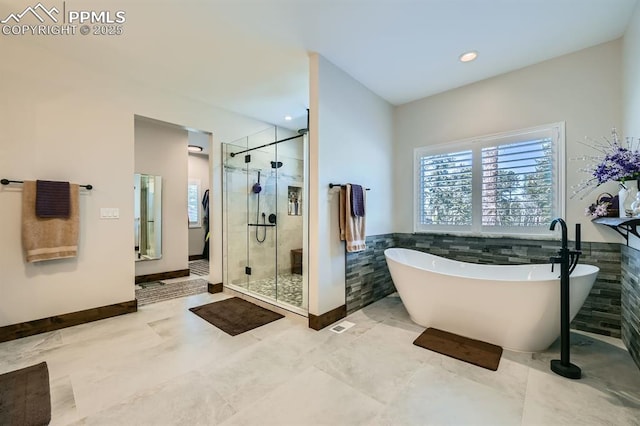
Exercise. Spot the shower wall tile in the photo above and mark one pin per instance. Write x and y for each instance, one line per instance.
(274, 254)
(367, 274)
(631, 301)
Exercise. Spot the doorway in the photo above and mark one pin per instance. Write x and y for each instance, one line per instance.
(162, 160)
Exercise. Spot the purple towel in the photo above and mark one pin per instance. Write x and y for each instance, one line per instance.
(53, 199)
(357, 201)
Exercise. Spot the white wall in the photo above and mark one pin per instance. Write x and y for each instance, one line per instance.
(631, 85)
(351, 132)
(198, 169)
(582, 89)
(161, 150)
(76, 123)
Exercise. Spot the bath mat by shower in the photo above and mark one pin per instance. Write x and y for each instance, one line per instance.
(24, 396)
(235, 316)
(468, 350)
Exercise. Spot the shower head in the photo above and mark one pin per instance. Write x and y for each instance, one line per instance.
(303, 131)
(276, 164)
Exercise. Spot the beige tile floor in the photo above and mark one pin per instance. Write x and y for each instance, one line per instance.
(165, 366)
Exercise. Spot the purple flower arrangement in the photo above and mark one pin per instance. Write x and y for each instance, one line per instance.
(617, 161)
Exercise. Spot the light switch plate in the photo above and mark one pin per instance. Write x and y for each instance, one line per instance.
(109, 213)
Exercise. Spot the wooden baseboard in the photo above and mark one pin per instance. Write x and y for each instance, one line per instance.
(162, 276)
(29, 328)
(318, 322)
(195, 257)
(214, 288)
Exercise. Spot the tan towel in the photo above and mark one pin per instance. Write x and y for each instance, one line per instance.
(48, 238)
(352, 228)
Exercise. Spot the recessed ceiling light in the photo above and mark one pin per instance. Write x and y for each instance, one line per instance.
(468, 56)
(288, 117)
(194, 148)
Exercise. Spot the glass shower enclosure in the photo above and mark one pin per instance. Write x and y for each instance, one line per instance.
(264, 206)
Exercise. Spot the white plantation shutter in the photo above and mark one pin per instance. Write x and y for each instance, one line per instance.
(509, 183)
(445, 189)
(517, 183)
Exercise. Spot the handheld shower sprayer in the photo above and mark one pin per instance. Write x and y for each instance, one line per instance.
(256, 188)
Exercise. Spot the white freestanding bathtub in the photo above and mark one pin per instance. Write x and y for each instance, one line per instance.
(513, 306)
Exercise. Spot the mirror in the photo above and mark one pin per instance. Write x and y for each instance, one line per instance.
(147, 212)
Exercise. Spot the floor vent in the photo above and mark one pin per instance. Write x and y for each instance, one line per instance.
(342, 327)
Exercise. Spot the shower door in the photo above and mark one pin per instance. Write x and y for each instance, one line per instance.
(263, 206)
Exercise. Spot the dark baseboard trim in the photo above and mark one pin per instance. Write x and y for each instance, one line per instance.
(318, 322)
(162, 276)
(195, 257)
(29, 328)
(214, 288)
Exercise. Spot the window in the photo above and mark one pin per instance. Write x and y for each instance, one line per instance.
(193, 203)
(510, 183)
(445, 182)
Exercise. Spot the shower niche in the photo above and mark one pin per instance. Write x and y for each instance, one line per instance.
(294, 205)
(263, 223)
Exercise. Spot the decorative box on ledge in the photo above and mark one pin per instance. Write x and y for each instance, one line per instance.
(622, 225)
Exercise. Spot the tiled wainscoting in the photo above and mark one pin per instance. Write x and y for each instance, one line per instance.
(368, 277)
(631, 301)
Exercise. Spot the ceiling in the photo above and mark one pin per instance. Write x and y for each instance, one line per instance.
(250, 56)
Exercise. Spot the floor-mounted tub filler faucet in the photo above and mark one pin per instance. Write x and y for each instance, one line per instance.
(568, 260)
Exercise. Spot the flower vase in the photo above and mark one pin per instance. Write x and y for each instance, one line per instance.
(622, 198)
(632, 192)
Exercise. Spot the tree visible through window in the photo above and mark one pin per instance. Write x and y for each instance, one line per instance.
(445, 182)
(507, 183)
(517, 184)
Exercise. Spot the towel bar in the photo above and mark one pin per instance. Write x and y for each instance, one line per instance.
(331, 185)
(7, 182)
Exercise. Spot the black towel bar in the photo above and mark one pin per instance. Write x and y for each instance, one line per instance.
(331, 185)
(7, 182)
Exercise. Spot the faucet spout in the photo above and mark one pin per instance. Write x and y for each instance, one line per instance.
(563, 225)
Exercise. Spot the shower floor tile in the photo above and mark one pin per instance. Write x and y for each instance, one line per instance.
(289, 288)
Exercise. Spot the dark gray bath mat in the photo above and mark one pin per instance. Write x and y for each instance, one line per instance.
(24, 396)
(235, 315)
(468, 350)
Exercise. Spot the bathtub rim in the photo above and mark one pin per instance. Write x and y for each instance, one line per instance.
(582, 269)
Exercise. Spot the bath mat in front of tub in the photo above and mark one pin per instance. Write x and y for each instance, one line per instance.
(475, 352)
